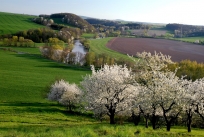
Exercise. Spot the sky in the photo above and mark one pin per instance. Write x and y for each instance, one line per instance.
(154, 11)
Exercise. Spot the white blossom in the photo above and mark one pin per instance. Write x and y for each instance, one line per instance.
(57, 89)
(198, 87)
(71, 96)
(65, 93)
(109, 90)
(155, 62)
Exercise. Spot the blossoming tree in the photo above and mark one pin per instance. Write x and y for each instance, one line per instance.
(148, 69)
(65, 93)
(57, 89)
(109, 91)
(190, 97)
(199, 97)
(169, 95)
(71, 97)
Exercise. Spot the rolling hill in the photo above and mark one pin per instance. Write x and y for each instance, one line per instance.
(11, 23)
(24, 76)
(73, 20)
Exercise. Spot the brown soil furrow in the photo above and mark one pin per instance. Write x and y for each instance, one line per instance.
(177, 50)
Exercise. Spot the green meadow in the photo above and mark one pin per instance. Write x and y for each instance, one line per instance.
(29, 50)
(99, 46)
(87, 35)
(11, 23)
(190, 39)
(26, 112)
(23, 76)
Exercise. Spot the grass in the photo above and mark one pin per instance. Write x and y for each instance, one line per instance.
(162, 27)
(39, 119)
(190, 39)
(59, 21)
(99, 47)
(21, 50)
(87, 35)
(50, 119)
(11, 23)
(24, 112)
(24, 76)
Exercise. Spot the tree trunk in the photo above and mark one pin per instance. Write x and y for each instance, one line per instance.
(70, 108)
(112, 121)
(189, 121)
(169, 122)
(112, 115)
(146, 122)
(136, 119)
(168, 126)
(171, 118)
(198, 111)
(189, 127)
(153, 121)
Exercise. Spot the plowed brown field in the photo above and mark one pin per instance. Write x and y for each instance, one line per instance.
(176, 49)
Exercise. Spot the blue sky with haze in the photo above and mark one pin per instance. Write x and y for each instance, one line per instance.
(156, 11)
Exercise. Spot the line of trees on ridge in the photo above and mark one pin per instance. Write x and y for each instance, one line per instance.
(182, 30)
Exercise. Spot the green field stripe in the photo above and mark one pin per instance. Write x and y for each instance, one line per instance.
(4, 19)
(12, 23)
(98, 46)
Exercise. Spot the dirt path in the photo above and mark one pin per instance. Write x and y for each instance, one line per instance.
(176, 49)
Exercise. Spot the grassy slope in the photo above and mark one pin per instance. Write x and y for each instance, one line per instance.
(25, 113)
(87, 35)
(59, 21)
(99, 46)
(11, 23)
(30, 50)
(24, 76)
(190, 39)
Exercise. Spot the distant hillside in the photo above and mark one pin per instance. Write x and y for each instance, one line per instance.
(117, 24)
(183, 30)
(85, 17)
(41, 28)
(73, 20)
(103, 22)
(11, 23)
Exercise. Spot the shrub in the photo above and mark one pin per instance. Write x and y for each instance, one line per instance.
(65, 93)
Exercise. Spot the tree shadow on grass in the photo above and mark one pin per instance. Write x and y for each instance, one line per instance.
(36, 107)
(33, 107)
(51, 63)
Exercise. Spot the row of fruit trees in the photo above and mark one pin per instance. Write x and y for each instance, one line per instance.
(149, 90)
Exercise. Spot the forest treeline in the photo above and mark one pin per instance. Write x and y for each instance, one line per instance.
(190, 69)
(182, 30)
(116, 24)
(18, 42)
(41, 35)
